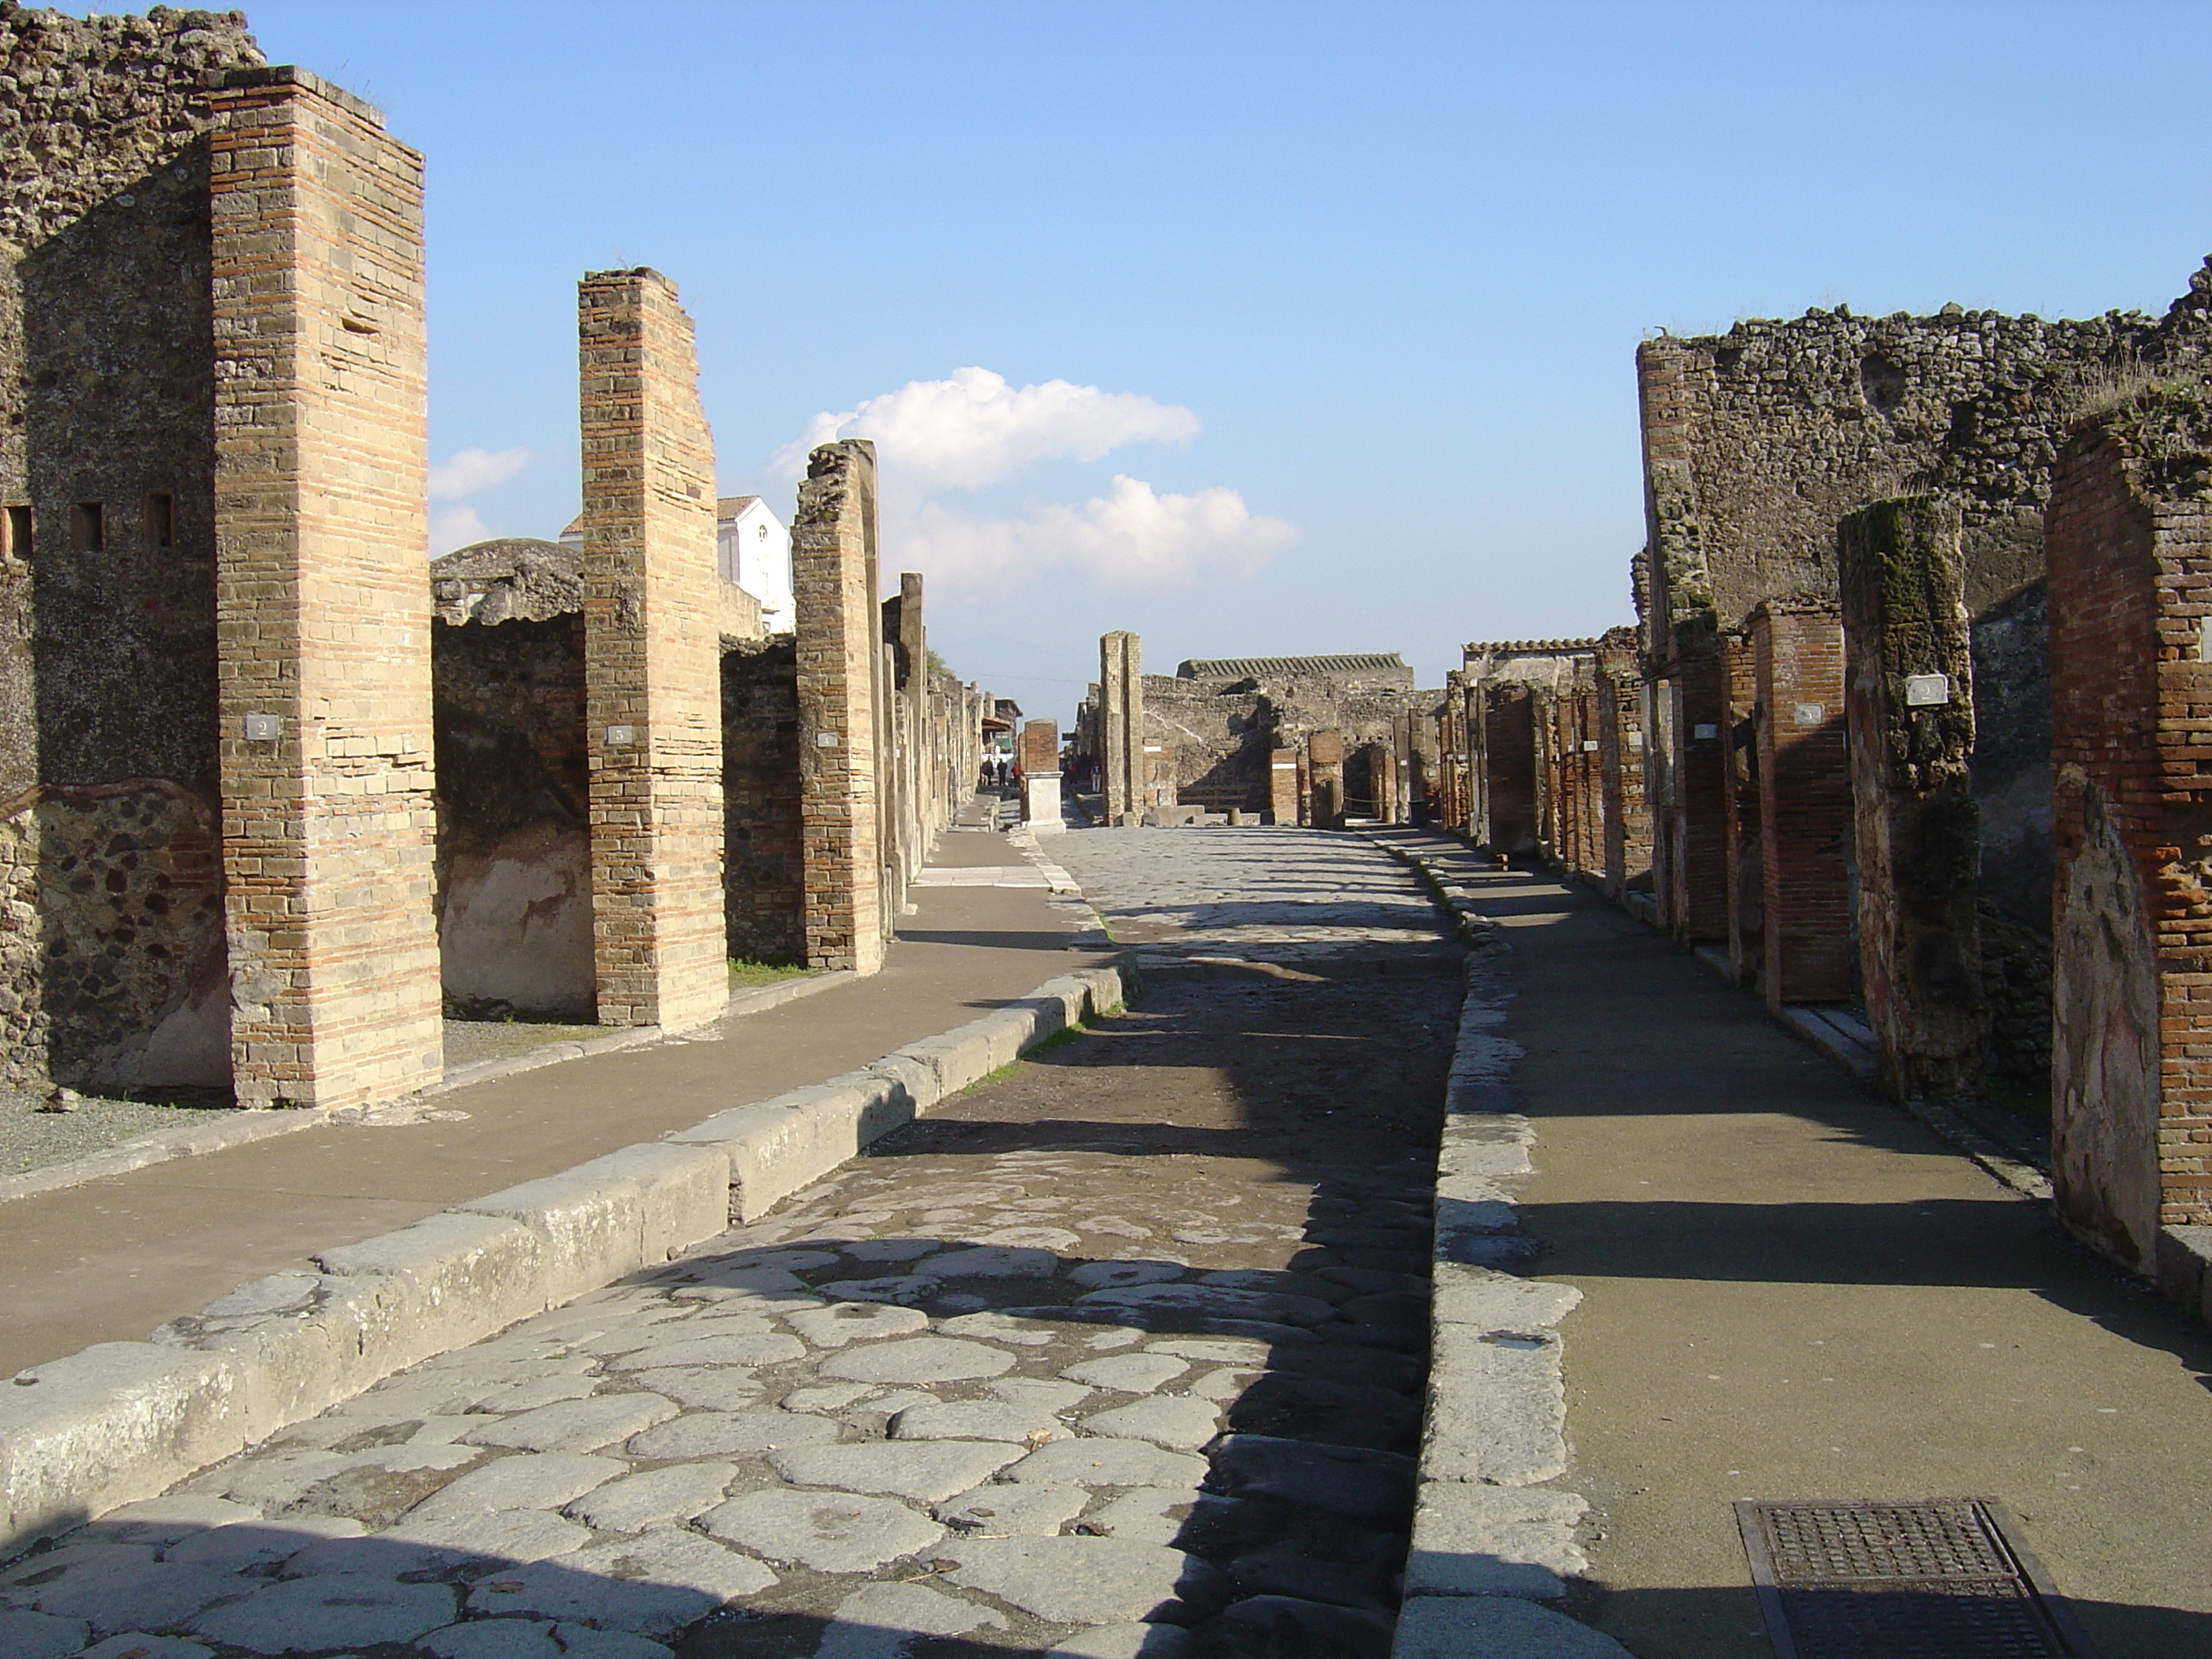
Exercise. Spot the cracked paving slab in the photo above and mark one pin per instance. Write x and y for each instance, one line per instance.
(1119, 1355)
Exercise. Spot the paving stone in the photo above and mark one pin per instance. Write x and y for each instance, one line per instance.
(995, 1327)
(1284, 1569)
(1149, 1515)
(1473, 1540)
(1128, 1642)
(1108, 1463)
(540, 1481)
(1315, 1408)
(883, 1621)
(1176, 1422)
(891, 1249)
(581, 1642)
(1278, 1282)
(1226, 1351)
(829, 1532)
(1008, 1509)
(919, 1360)
(503, 1534)
(654, 1584)
(540, 1391)
(1089, 1581)
(927, 1471)
(773, 1348)
(766, 1287)
(1371, 1488)
(165, 1520)
(903, 1290)
(791, 1260)
(113, 1593)
(329, 1612)
(1130, 1373)
(681, 1491)
(1496, 1627)
(1099, 1275)
(577, 1425)
(977, 1419)
(722, 1389)
(139, 1644)
(728, 1434)
(828, 1397)
(1292, 1627)
(1225, 1384)
(1219, 1300)
(841, 1323)
(258, 1543)
(494, 1639)
(1040, 1394)
(995, 1261)
(26, 1635)
(1055, 1239)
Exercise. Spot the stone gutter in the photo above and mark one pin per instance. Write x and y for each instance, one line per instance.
(1493, 1539)
(120, 1421)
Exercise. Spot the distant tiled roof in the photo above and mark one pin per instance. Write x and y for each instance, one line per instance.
(1473, 647)
(728, 506)
(1291, 668)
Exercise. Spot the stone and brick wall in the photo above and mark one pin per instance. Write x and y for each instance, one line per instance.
(765, 867)
(1624, 812)
(1804, 804)
(2130, 606)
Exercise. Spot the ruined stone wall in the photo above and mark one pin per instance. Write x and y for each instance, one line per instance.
(1222, 734)
(2010, 777)
(764, 868)
(107, 584)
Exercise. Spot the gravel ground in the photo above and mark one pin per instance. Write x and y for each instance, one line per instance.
(32, 1140)
(468, 1041)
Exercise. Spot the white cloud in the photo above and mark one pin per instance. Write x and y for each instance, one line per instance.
(455, 527)
(1131, 537)
(469, 472)
(973, 428)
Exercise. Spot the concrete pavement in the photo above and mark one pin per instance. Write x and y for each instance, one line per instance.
(1794, 1291)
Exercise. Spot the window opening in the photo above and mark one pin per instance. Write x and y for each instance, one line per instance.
(15, 532)
(88, 528)
(161, 519)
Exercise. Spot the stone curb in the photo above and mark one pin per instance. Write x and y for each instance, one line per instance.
(1490, 1543)
(119, 1421)
(244, 1128)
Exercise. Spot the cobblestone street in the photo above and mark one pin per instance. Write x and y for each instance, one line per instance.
(1120, 1352)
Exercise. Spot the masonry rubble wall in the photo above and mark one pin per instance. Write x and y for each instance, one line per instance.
(763, 861)
(1624, 807)
(1910, 691)
(2010, 776)
(2129, 542)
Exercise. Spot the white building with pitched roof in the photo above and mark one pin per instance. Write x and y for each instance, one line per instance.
(752, 550)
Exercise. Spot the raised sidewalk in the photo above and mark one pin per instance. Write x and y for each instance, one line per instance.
(110, 1261)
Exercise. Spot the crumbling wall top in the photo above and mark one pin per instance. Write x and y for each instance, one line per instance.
(514, 579)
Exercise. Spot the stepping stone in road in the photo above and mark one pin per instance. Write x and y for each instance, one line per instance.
(1177, 1422)
(829, 1532)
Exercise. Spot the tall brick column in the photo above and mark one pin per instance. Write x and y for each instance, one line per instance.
(1627, 815)
(1325, 763)
(1283, 785)
(1804, 803)
(1740, 813)
(1122, 710)
(1696, 875)
(1909, 692)
(323, 597)
(652, 657)
(832, 564)
(2129, 543)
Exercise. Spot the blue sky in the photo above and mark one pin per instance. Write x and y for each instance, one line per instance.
(1345, 297)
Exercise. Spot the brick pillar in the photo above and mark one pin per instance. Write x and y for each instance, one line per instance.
(2127, 542)
(1804, 804)
(1325, 761)
(652, 657)
(1283, 785)
(1038, 752)
(1626, 816)
(833, 540)
(323, 599)
(1908, 694)
(1697, 865)
(1122, 710)
(1745, 888)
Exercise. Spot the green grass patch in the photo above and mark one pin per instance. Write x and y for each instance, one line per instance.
(746, 973)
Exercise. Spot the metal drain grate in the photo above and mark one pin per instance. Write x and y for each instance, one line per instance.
(1945, 1580)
